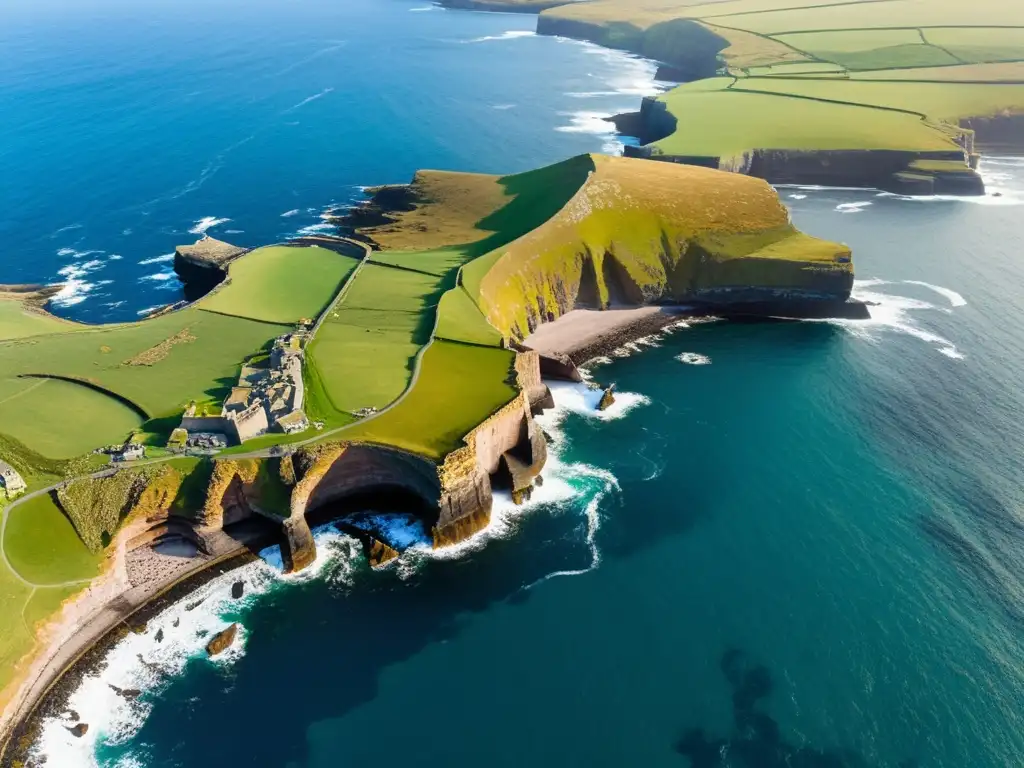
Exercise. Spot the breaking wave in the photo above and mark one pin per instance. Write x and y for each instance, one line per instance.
(596, 123)
(512, 34)
(292, 212)
(891, 313)
(693, 358)
(75, 288)
(206, 223)
(158, 259)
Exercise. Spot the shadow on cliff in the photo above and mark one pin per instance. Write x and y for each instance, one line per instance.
(756, 741)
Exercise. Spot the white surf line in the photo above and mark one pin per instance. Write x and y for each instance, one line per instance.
(955, 299)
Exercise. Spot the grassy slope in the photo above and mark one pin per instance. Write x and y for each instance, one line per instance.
(42, 544)
(61, 419)
(645, 222)
(17, 321)
(281, 284)
(459, 386)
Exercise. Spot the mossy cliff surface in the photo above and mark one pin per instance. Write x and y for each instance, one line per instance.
(640, 233)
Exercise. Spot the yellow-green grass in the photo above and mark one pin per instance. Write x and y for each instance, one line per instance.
(981, 44)
(979, 73)
(362, 355)
(730, 122)
(43, 547)
(459, 319)
(159, 364)
(18, 320)
(281, 284)
(45, 602)
(437, 261)
(16, 639)
(647, 231)
(939, 101)
(795, 69)
(62, 419)
(939, 166)
(459, 386)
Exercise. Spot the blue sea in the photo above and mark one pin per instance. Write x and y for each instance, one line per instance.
(787, 544)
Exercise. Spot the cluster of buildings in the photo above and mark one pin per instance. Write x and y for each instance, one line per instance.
(11, 483)
(269, 397)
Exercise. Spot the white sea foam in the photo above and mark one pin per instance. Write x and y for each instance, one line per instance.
(308, 100)
(797, 197)
(613, 147)
(424, 9)
(75, 287)
(159, 277)
(206, 223)
(591, 94)
(115, 257)
(512, 34)
(693, 358)
(955, 299)
(895, 314)
(75, 254)
(853, 207)
(314, 229)
(143, 663)
(146, 311)
(503, 106)
(588, 122)
(292, 212)
(158, 259)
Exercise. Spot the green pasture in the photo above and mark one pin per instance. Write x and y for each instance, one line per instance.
(178, 357)
(281, 284)
(459, 319)
(460, 385)
(939, 101)
(16, 639)
(43, 547)
(362, 355)
(16, 322)
(437, 261)
(61, 419)
(728, 122)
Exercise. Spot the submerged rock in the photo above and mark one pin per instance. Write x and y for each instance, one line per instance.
(126, 693)
(222, 640)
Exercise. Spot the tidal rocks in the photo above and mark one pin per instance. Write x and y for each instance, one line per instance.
(299, 548)
(126, 693)
(379, 553)
(237, 590)
(79, 730)
(222, 641)
(607, 399)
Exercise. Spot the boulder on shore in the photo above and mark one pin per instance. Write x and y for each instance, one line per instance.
(222, 640)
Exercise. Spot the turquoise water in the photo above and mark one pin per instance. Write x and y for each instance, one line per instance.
(800, 547)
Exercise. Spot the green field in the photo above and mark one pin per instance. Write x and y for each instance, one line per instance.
(43, 547)
(459, 386)
(61, 419)
(17, 322)
(459, 319)
(281, 284)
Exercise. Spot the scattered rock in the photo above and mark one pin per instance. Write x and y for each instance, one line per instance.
(79, 730)
(159, 636)
(191, 607)
(73, 715)
(538, 480)
(222, 640)
(607, 399)
(379, 553)
(522, 495)
(237, 590)
(126, 693)
(177, 623)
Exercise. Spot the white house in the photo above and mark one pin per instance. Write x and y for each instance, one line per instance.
(10, 480)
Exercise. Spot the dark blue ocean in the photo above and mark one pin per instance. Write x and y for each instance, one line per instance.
(792, 544)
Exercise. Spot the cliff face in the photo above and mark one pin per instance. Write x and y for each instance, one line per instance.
(202, 266)
(647, 233)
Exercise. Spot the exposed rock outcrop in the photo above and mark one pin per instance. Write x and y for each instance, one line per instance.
(79, 730)
(202, 266)
(298, 549)
(607, 399)
(379, 553)
(222, 641)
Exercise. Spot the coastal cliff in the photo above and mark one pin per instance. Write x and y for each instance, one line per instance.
(202, 266)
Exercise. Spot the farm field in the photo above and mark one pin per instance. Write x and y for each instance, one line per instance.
(62, 419)
(281, 284)
(43, 547)
(459, 386)
(815, 50)
(18, 322)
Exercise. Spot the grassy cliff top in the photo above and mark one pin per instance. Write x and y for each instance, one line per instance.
(819, 55)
